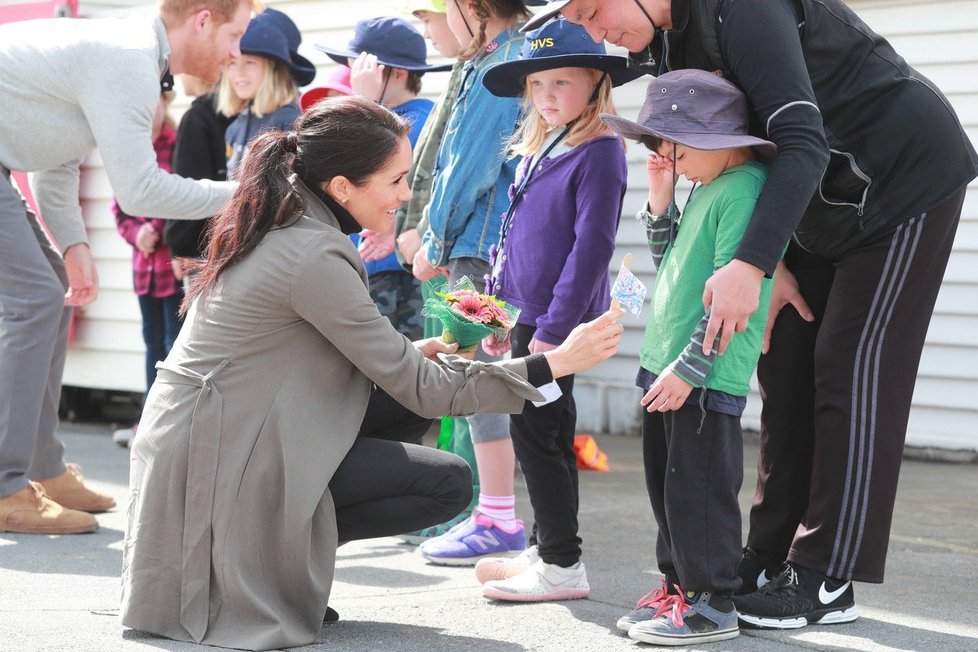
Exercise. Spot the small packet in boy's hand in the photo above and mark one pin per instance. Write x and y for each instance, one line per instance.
(628, 290)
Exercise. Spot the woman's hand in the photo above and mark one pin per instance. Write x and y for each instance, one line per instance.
(367, 77)
(432, 346)
(784, 291)
(587, 345)
(661, 181)
(495, 346)
(668, 392)
(376, 245)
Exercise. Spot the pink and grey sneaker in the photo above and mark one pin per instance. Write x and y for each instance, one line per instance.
(649, 606)
(472, 540)
(541, 582)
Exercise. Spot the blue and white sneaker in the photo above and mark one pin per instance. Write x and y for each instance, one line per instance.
(689, 619)
(472, 540)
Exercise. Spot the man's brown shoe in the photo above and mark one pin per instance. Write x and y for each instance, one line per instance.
(69, 490)
(31, 512)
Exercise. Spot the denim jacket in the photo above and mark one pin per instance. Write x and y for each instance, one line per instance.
(472, 173)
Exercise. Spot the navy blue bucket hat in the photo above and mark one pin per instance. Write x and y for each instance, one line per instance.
(558, 44)
(273, 35)
(394, 41)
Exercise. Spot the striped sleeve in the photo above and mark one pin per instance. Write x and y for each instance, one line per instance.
(691, 365)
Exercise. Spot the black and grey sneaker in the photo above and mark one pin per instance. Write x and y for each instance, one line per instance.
(755, 570)
(798, 596)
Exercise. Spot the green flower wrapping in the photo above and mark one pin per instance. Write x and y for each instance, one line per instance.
(466, 315)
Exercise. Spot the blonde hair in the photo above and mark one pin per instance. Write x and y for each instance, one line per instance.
(509, 10)
(277, 89)
(176, 10)
(533, 130)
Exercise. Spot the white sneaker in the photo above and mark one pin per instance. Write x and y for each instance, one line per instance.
(123, 436)
(541, 582)
(503, 568)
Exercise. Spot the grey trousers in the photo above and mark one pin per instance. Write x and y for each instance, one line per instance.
(33, 341)
(483, 427)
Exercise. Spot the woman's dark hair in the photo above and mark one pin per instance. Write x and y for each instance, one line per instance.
(351, 137)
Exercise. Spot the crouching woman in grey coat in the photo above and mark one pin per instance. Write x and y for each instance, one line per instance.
(253, 458)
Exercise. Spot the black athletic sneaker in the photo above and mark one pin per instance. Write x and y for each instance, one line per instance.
(798, 596)
(755, 570)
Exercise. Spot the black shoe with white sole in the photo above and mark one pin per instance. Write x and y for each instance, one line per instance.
(755, 570)
(796, 597)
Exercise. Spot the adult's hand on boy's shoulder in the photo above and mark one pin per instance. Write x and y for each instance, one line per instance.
(732, 295)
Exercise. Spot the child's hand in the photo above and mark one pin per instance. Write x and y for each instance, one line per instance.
(422, 268)
(661, 181)
(375, 245)
(668, 392)
(367, 77)
(147, 239)
(539, 346)
(495, 346)
(409, 243)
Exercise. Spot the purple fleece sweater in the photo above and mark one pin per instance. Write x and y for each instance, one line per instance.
(562, 237)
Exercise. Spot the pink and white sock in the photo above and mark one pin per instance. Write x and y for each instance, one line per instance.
(501, 509)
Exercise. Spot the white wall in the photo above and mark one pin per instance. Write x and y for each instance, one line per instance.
(938, 38)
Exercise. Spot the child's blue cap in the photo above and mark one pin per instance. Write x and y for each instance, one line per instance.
(273, 35)
(394, 41)
(558, 44)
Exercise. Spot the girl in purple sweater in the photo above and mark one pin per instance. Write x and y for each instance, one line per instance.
(552, 259)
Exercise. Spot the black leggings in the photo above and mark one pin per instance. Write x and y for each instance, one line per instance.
(385, 487)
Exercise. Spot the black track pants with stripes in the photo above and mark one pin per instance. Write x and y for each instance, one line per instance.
(837, 397)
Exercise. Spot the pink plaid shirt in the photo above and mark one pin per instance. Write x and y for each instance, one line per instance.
(151, 275)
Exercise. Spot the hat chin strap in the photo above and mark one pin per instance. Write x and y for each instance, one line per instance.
(654, 26)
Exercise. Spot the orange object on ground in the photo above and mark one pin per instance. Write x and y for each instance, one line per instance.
(589, 456)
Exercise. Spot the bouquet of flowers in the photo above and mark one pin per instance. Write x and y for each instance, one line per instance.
(466, 315)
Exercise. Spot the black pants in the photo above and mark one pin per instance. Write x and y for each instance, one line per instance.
(543, 439)
(693, 481)
(837, 397)
(385, 486)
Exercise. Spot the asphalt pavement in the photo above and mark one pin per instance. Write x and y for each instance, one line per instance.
(61, 593)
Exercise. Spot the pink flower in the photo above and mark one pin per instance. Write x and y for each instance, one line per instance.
(469, 306)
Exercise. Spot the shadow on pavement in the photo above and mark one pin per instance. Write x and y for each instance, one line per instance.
(368, 635)
(100, 554)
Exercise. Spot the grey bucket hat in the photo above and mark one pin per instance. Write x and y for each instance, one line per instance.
(693, 108)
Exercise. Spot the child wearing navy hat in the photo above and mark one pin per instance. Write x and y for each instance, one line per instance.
(566, 200)
(260, 89)
(387, 57)
(695, 124)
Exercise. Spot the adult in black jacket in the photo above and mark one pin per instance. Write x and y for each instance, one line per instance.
(867, 186)
(199, 153)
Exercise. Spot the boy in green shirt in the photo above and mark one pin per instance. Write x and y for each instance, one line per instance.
(695, 123)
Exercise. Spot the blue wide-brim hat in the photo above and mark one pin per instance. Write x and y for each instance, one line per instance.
(272, 34)
(394, 41)
(558, 44)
